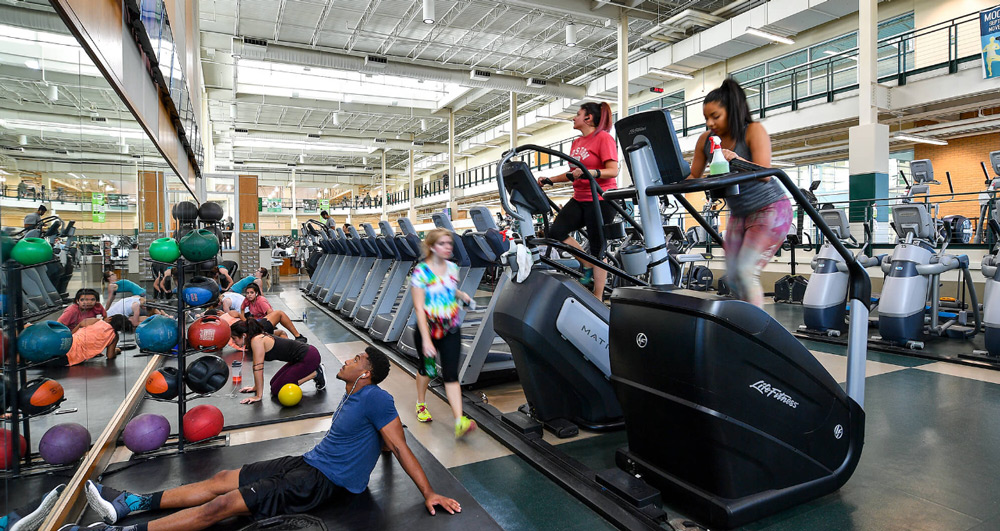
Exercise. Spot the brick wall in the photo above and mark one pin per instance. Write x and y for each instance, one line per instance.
(961, 157)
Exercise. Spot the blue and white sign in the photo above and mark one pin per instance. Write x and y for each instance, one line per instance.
(989, 33)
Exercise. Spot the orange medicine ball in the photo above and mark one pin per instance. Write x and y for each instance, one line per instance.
(40, 396)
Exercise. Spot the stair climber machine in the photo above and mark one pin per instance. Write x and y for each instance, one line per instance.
(729, 415)
(725, 412)
(824, 305)
(912, 274)
(324, 259)
(371, 253)
(314, 252)
(388, 255)
(337, 253)
(471, 268)
(394, 293)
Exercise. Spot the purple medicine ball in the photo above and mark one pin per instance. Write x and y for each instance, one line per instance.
(146, 433)
(63, 444)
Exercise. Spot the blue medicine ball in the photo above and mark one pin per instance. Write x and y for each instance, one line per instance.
(44, 341)
(158, 333)
(200, 291)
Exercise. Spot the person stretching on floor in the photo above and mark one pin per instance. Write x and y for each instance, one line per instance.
(85, 306)
(255, 306)
(434, 286)
(115, 285)
(302, 362)
(334, 470)
(259, 277)
(93, 337)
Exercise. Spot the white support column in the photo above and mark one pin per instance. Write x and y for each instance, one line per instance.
(451, 161)
(385, 217)
(867, 60)
(513, 120)
(295, 217)
(624, 179)
(412, 213)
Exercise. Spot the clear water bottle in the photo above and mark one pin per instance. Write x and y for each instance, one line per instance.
(237, 372)
(305, 318)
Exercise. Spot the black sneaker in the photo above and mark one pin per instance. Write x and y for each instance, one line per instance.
(320, 377)
(301, 339)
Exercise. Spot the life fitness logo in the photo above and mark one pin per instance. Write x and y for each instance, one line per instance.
(641, 340)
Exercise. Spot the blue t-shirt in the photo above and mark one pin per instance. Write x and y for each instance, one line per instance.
(349, 451)
(242, 284)
(132, 287)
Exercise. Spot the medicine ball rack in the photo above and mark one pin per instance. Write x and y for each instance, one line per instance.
(183, 349)
(14, 320)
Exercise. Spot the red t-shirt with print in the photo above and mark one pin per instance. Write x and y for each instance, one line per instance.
(594, 151)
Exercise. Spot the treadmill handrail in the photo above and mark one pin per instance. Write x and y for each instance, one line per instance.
(859, 281)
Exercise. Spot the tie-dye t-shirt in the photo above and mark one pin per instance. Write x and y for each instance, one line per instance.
(440, 302)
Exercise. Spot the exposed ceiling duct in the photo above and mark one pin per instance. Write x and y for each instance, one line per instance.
(324, 59)
(360, 142)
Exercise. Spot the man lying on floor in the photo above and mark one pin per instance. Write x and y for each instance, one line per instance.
(336, 468)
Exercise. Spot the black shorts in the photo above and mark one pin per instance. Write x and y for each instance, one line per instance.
(286, 485)
(576, 215)
(448, 349)
(266, 325)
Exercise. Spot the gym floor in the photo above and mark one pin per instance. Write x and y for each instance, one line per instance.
(929, 462)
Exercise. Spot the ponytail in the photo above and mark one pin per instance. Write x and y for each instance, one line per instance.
(731, 96)
(600, 113)
(249, 328)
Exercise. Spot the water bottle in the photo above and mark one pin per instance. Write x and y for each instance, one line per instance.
(719, 163)
(305, 318)
(237, 372)
(430, 367)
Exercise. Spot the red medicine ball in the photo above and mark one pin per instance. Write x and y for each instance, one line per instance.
(7, 449)
(202, 422)
(209, 333)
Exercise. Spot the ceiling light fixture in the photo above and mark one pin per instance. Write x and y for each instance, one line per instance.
(921, 139)
(423, 124)
(53, 93)
(33, 64)
(22, 140)
(428, 11)
(571, 35)
(336, 118)
(670, 73)
(769, 36)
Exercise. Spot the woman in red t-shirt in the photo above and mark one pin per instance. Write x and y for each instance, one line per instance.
(597, 150)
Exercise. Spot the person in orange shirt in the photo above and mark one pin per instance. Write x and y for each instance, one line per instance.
(94, 336)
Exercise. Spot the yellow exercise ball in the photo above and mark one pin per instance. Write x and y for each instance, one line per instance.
(290, 395)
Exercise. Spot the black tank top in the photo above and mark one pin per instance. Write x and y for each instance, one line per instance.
(286, 350)
(754, 195)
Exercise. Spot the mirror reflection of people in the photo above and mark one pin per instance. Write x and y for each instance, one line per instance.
(134, 308)
(114, 285)
(94, 337)
(84, 306)
(34, 218)
(335, 470)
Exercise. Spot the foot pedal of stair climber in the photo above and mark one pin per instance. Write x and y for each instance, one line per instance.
(524, 424)
(632, 489)
(562, 428)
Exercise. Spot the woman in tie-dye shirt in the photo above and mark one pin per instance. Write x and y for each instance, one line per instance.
(434, 285)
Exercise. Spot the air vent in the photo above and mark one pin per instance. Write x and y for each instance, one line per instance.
(418, 143)
(238, 162)
(100, 119)
(291, 164)
(241, 131)
(13, 148)
(369, 168)
(340, 167)
(136, 156)
(479, 75)
(535, 82)
(62, 152)
(253, 41)
(381, 141)
(376, 61)
(313, 135)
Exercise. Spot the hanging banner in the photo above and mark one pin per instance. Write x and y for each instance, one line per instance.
(989, 34)
(97, 208)
(309, 206)
(273, 204)
(324, 204)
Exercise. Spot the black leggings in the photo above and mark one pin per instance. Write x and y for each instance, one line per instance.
(449, 350)
(579, 214)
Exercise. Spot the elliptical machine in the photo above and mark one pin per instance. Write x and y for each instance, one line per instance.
(792, 288)
(912, 273)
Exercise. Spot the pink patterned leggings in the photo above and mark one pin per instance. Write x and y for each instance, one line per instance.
(750, 243)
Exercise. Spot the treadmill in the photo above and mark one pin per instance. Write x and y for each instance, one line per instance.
(370, 253)
(394, 306)
(387, 255)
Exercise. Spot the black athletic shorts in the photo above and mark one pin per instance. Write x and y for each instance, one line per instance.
(266, 325)
(448, 349)
(576, 215)
(286, 485)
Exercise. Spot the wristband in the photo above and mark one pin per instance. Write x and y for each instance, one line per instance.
(569, 175)
(547, 181)
(598, 174)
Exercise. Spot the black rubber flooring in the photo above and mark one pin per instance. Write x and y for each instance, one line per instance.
(392, 501)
